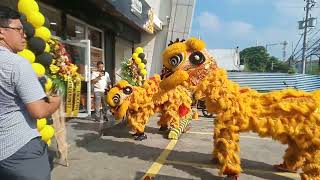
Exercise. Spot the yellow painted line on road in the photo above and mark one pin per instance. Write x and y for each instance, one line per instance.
(156, 166)
(212, 166)
(210, 133)
(200, 165)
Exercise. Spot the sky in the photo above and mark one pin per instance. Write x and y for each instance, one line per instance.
(246, 23)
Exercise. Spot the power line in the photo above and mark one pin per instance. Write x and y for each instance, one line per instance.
(310, 48)
(294, 53)
(309, 5)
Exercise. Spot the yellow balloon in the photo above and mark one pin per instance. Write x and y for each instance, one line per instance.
(43, 33)
(49, 142)
(138, 60)
(41, 123)
(47, 133)
(28, 55)
(141, 66)
(47, 49)
(48, 85)
(27, 6)
(139, 50)
(38, 69)
(36, 19)
(135, 56)
(143, 72)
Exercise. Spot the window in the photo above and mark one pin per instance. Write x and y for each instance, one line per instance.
(95, 38)
(96, 55)
(75, 29)
(54, 17)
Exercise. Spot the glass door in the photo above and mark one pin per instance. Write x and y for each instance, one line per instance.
(80, 54)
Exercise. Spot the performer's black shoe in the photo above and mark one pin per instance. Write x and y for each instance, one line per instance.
(135, 134)
(141, 137)
(231, 177)
(105, 118)
(163, 128)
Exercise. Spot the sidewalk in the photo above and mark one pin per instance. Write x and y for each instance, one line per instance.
(117, 156)
(85, 130)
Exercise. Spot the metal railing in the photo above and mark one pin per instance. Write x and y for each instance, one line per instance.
(275, 81)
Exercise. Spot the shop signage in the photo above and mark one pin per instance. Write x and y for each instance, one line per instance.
(136, 7)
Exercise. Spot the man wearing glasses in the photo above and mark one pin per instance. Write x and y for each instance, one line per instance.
(23, 155)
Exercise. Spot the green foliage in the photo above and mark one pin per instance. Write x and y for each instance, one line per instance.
(313, 69)
(275, 65)
(59, 85)
(256, 59)
(126, 72)
(291, 70)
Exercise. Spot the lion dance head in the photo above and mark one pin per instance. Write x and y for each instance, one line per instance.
(118, 98)
(189, 56)
(123, 96)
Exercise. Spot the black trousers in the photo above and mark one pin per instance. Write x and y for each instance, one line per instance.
(31, 162)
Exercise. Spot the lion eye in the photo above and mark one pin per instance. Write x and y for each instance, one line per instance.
(116, 99)
(127, 90)
(176, 60)
(197, 58)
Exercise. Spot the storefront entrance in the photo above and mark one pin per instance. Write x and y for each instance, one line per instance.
(80, 54)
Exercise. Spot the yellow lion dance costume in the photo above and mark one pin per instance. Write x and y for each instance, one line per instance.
(172, 96)
(135, 102)
(184, 63)
(289, 116)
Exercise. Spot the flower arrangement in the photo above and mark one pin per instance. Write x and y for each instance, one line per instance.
(134, 70)
(62, 69)
(66, 80)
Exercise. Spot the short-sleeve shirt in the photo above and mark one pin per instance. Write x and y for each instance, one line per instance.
(19, 85)
(101, 85)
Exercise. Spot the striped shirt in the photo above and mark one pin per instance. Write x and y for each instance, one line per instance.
(19, 85)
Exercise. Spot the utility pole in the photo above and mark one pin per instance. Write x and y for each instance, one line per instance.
(291, 57)
(309, 4)
(305, 38)
(285, 43)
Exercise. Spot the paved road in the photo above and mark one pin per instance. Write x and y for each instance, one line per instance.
(116, 156)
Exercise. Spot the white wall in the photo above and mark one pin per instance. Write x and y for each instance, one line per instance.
(155, 4)
(228, 59)
(154, 44)
(181, 19)
(175, 25)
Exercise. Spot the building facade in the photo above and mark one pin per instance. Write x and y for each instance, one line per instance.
(228, 59)
(110, 30)
(175, 17)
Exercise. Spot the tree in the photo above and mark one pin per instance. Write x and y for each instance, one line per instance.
(275, 65)
(257, 59)
(254, 58)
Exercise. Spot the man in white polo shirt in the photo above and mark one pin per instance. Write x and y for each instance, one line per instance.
(101, 81)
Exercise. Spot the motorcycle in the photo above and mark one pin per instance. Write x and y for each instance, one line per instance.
(200, 104)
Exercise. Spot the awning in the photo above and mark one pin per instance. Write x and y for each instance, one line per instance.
(137, 13)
